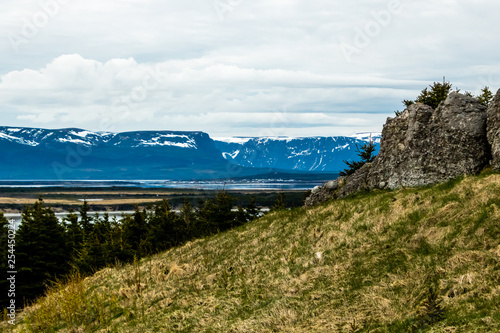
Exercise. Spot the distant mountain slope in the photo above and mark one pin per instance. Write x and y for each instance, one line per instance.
(29, 153)
(318, 154)
(72, 154)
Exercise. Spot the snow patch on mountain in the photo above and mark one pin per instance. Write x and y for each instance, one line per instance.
(173, 140)
(231, 155)
(367, 136)
(76, 141)
(82, 134)
(236, 139)
(18, 140)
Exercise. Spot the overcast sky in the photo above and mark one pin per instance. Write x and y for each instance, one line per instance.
(236, 67)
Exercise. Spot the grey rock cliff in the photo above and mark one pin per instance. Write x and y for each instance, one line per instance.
(424, 146)
(494, 130)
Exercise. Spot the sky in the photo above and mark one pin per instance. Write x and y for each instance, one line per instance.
(237, 67)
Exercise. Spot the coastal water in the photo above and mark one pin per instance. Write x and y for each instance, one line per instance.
(239, 185)
(259, 184)
(17, 217)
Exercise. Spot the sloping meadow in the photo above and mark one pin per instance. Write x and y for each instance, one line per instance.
(413, 260)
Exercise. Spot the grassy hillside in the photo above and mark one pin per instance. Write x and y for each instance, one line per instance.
(423, 259)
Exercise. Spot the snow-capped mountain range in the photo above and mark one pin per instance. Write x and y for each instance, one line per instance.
(319, 154)
(72, 153)
(37, 136)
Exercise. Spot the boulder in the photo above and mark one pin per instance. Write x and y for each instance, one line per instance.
(332, 185)
(423, 146)
(355, 182)
(316, 189)
(322, 193)
(493, 127)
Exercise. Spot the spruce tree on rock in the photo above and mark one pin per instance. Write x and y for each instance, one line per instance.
(366, 153)
(433, 97)
(438, 92)
(485, 97)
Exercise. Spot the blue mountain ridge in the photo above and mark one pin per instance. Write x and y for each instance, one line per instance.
(76, 154)
(308, 154)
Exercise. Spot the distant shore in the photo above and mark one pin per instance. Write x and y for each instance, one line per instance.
(120, 199)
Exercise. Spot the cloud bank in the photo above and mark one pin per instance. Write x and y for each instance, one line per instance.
(232, 67)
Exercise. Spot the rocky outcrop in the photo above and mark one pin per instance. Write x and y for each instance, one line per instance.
(424, 146)
(493, 125)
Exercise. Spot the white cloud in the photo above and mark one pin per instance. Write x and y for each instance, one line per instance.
(174, 64)
(80, 92)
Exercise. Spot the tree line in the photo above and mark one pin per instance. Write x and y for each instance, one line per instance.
(47, 248)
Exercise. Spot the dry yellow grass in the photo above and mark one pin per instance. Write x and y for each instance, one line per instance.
(362, 264)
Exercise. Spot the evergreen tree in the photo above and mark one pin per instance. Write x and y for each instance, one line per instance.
(366, 153)
(280, 201)
(135, 230)
(485, 97)
(241, 216)
(252, 210)
(103, 246)
(102, 227)
(89, 257)
(85, 219)
(189, 218)
(224, 216)
(217, 215)
(41, 253)
(115, 248)
(74, 234)
(164, 228)
(438, 93)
